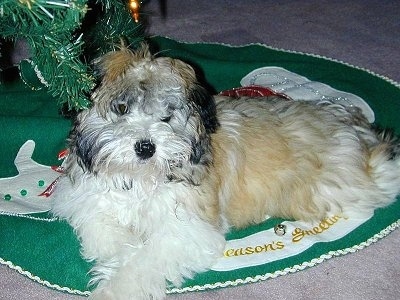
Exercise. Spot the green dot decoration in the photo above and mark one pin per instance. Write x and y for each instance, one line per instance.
(24, 192)
(7, 197)
(41, 183)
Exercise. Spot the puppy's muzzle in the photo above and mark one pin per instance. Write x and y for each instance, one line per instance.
(145, 149)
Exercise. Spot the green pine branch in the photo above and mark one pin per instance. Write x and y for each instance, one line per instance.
(63, 42)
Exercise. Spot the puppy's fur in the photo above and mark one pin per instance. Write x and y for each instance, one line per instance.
(159, 170)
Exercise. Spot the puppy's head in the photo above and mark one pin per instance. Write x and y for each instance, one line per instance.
(150, 121)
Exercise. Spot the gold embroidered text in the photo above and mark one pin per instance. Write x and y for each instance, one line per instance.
(254, 250)
(325, 224)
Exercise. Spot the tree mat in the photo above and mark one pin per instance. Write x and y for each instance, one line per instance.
(33, 132)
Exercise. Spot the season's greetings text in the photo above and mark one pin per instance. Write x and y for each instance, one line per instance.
(297, 235)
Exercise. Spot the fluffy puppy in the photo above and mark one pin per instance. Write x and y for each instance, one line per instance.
(159, 170)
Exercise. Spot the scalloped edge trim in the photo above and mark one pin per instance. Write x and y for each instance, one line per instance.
(38, 74)
(316, 261)
(41, 281)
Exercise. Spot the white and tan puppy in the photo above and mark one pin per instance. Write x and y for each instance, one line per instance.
(159, 170)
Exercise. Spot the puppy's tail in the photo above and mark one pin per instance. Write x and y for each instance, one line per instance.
(384, 167)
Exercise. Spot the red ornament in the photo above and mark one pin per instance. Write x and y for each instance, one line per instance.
(251, 91)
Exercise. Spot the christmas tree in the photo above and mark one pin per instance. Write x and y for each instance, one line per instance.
(65, 35)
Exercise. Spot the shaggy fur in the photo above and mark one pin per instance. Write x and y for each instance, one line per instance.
(159, 170)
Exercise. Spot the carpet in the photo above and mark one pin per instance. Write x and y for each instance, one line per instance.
(46, 250)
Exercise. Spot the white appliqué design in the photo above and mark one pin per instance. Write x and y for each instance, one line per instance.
(298, 87)
(29, 191)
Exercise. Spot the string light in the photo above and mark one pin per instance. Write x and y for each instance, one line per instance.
(134, 7)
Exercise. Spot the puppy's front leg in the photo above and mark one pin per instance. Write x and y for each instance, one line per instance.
(137, 278)
(143, 271)
(102, 237)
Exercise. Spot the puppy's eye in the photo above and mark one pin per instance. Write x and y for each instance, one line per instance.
(122, 108)
(166, 119)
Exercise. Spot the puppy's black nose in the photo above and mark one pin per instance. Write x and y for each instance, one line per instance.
(145, 149)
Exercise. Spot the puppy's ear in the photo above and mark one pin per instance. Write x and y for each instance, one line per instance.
(205, 105)
(81, 148)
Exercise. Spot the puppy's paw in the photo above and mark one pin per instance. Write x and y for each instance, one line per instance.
(128, 289)
(102, 294)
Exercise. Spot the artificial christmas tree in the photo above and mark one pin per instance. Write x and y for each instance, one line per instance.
(64, 36)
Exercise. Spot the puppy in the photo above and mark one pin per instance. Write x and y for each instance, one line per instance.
(159, 170)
